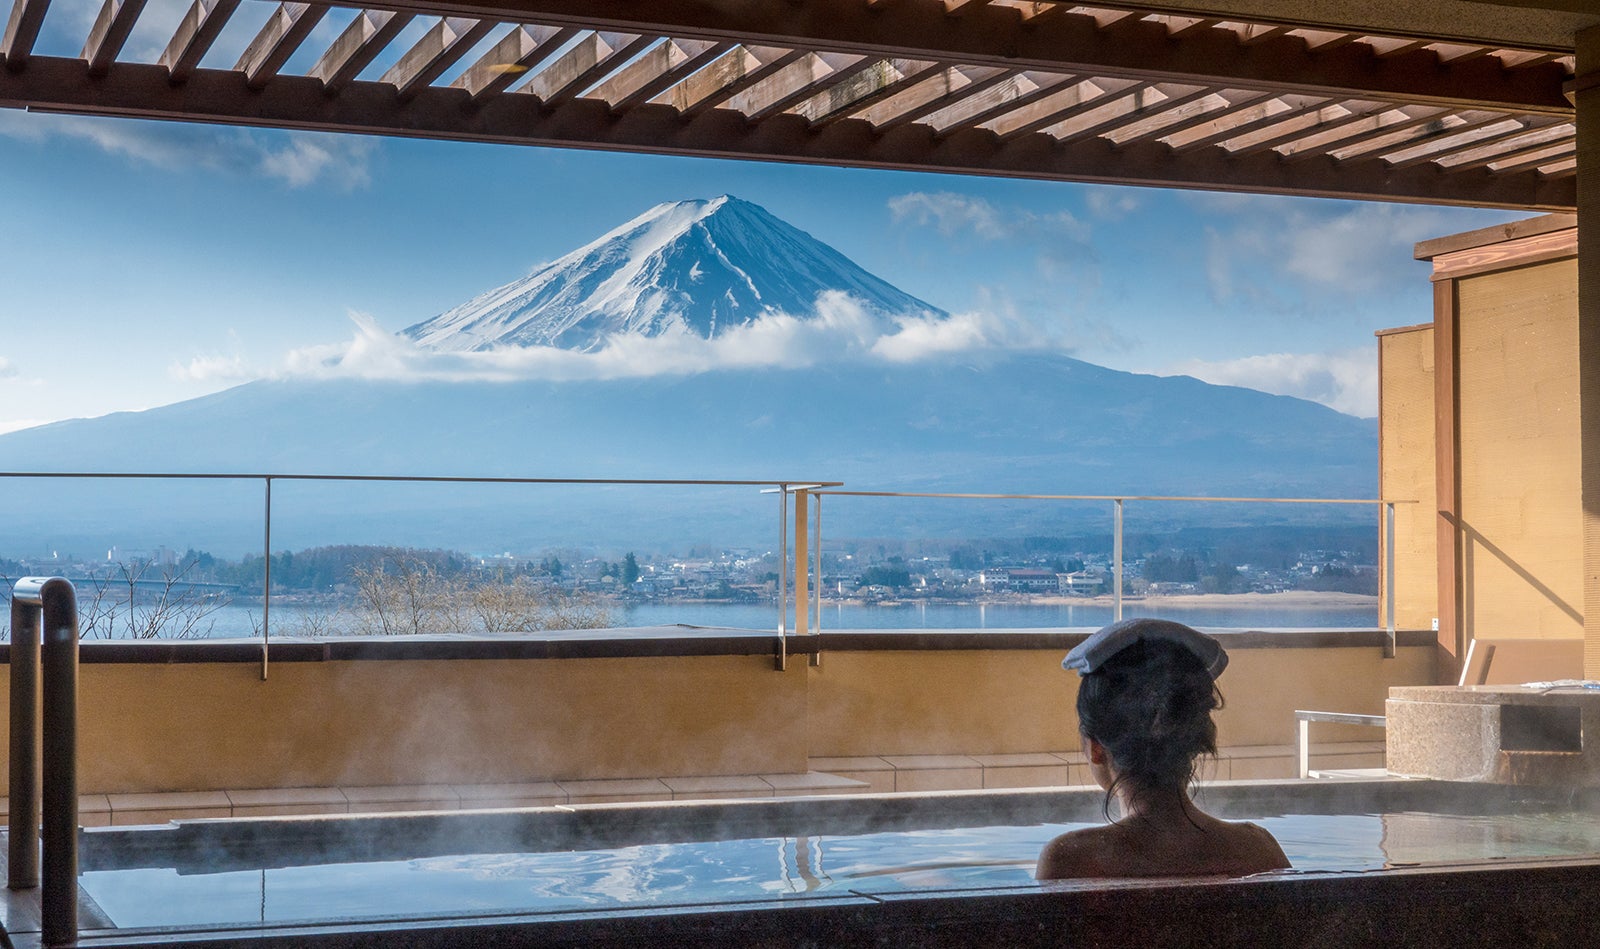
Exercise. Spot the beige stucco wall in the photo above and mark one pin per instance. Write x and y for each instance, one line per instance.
(1406, 472)
(1003, 702)
(148, 727)
(212, 725)
(1520, 451)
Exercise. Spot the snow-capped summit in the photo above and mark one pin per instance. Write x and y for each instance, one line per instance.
(691, 266)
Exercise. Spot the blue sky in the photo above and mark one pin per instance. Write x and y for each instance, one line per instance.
(180, 260)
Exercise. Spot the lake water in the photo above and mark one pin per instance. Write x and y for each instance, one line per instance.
(244, 620)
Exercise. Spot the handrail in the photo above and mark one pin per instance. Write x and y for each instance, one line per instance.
(50, 604)
(1386, 505)
(783, 487)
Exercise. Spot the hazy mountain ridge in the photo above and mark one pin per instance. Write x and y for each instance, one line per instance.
(994, 421)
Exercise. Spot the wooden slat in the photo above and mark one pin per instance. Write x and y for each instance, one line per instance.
(1525, 159)
(993, 34)
(517, 53)
(22, 31)
(439, 49)
(842, 100)
(110, 33)
(1466, 147)
(137, 90)
(932, 94)
(793, 83)
(194, 36)
(369, 34)
(584, 64)
(1206, 113)
(1400, 138)
(650, 74)
(1018, 91)
(1140, 101)
(726, 76)
(1238, 125)
(1318, 142)
(1447, 140)
(280, 36)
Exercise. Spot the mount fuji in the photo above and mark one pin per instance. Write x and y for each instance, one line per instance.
(695, 267)
(988, 420)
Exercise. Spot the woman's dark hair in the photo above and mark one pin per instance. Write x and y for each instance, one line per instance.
(1150, 706)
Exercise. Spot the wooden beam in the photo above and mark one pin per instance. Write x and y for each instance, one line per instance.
(1460, 138)
(727, 76)
(196, 32)
(22, 31)
(1039, 93)
(932, 94)
(1312, 142)
(584, 64)
(517, 53)
(439, 49)
(658, 70)
(1206, 114)
(299, 102)
(793, 83)
(110, 33)
(1057, 40)
(1447, 475)
(860, 92)
(1524, 159)
(1263, 118)
(280, 36)
(369, 34)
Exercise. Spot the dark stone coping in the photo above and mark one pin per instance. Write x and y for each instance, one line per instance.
(662, 641)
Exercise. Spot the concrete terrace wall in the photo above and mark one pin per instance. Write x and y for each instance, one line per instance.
(469, 712)
(1406, 453)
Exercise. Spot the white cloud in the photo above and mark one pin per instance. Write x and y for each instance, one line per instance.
(952, 214)
(298, 159)
(839, 330)
(1256, 243)
(1346, 381)
(1111, 203)
(213, 368)
(7, 369)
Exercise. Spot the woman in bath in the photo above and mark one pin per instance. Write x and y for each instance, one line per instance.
(1144, 708)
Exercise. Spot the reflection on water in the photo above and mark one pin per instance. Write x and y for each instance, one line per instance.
(767, 868)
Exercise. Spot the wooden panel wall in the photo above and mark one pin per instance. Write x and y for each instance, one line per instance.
(1406, 470)
(1519, 452)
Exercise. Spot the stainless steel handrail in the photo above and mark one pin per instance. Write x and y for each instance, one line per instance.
(1386, 506)
(782, 487)
(48, 605)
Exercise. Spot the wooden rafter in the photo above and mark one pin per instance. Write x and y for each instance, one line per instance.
(518, 52)
(1264, 117)
(585, 63)
(728, 75)
(280, 36)
(862, 90)
(132, 89)
(22, 30)
(369, 34)
(1038, 93)
(993, 34)
(658, 70)
(1486, 133)
(109, 33)
(1378, 120)
(437, 50)
(1208, 111)
(932, 94)
(196, 32)
(793, 83)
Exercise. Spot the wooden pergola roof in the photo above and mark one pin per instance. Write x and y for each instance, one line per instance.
(1124, 93)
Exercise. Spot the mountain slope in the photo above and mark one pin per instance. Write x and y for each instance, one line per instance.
(699, 267)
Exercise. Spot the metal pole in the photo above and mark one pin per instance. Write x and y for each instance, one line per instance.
(1388, 582)
(266, 580)
(816, 541)
(783, 576)
(802, 563)
(58, 896)
(1116, 560)
(23, 871)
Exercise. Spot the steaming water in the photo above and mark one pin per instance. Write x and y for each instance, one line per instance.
(242, 620)
(767, 868)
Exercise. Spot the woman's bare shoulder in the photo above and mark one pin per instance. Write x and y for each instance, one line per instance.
(1257, 847)
(1074, 855)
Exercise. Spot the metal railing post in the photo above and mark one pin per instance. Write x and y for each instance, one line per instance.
(783, 576)
(23, 872)
(266, 579)
(816, 545)
(1116, 560)
(1388, 581)
(802, 563)
(47, 608)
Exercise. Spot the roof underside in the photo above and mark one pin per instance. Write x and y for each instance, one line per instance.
(1122, 94)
